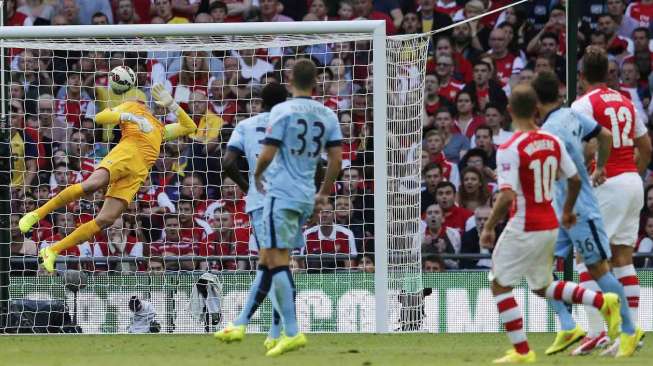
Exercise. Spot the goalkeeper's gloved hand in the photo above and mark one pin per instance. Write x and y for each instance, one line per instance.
(143, 124)
(163, 98)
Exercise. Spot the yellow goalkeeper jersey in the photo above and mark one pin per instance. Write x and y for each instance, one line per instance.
(149, 144)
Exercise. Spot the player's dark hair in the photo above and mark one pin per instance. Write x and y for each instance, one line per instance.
(546, 86)
(481, 62)
(99, 14)
(551, 35)
(491, 105)
(218, 5)
(273, 94)
(478, 152)
(303, 74)
(431, 166)
(445, 184)
(595, 65)
(643, 29)
(523, 101)
(484, 127)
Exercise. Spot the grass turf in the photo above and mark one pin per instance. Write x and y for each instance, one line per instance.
(323, 349)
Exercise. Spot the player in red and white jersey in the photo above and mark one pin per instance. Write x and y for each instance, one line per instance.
(621, 197)
(528, 166)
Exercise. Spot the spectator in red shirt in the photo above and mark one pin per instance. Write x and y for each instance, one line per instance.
(125, 12)
(121, 242)
(438, 238)
(486, 89)
(222, 103)
(467, 118)
(16, 18)
(173, 244)
(329, 238)
(194, 75)
(435, 145)
(432, 100)
(221, 242)
(190, 226)
(641, 12)
(449, 87)
(345, 218)
(454, 216)
(505, 62)
(462, 66)
(64, 224)
(617, 45)
(72, 103)
(365, 9)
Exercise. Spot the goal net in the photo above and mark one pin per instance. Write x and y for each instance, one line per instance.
(360, 270)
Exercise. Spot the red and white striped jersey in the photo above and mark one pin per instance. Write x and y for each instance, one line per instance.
(618, 114)
(528, 164)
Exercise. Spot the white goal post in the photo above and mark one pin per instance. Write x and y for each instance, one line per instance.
(396, 87)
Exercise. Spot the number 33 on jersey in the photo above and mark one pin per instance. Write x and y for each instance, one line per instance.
(529, 164)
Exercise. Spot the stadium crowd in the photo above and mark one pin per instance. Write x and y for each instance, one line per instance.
(187, 208)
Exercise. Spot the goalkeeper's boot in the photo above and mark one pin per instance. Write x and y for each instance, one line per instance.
(270, 343)
(47, 257)
(628, 344)
(26, 222)
(564, 339)
(230, 333)
(287, 344)
(611, 313)
(513, 356)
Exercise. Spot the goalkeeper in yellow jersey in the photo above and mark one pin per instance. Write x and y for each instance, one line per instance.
(122, 171)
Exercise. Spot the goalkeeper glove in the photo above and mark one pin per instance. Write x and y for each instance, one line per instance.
(143, 124)
(163, 98)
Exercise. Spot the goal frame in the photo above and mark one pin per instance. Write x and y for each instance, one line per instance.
(377, 30)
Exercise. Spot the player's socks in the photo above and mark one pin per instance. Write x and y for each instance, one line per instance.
(608, 283)
(69, 194)
(83, 233)
(595, 324)
(512, 320)
(567, 321)
(275, 325)
(257, 293)
(284, 288)
(628, 278)
(572, 293)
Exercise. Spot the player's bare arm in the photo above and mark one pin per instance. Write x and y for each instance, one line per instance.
(262, 163)
(603, 147)
(504, 200)
(230, 167)
(643, 152)
(334, 163)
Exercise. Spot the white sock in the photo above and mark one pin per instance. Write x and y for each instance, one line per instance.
(628, 278)
(595, 324)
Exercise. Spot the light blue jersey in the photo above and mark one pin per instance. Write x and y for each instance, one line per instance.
(302, 128)
(572, 129)
(588, 236)
(247, 139)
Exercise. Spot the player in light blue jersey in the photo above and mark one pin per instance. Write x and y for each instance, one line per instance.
(587, 237)
(299, 131)
(246, 140)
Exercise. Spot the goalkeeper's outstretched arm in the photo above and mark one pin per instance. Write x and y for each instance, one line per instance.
(185, 126)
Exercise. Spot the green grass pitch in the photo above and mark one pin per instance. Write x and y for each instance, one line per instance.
(323, 349)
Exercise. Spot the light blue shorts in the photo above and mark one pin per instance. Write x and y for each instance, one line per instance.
(588, 238)
(258, 229)
(282, 223)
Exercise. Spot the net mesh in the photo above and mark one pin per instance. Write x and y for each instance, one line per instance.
(188, 218)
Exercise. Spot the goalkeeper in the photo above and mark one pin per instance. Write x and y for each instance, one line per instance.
(122, 171)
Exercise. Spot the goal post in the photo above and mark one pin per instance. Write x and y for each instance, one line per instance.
(376, 88)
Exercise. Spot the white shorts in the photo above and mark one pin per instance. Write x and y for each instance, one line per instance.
(520, 254)
(620, 199)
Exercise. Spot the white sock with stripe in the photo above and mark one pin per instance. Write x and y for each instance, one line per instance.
(594, 319)
(512, 320)
(628, 278)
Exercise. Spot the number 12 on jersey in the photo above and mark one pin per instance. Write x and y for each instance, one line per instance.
(544, 174)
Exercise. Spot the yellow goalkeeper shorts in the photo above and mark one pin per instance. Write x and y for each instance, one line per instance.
(127, 172)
